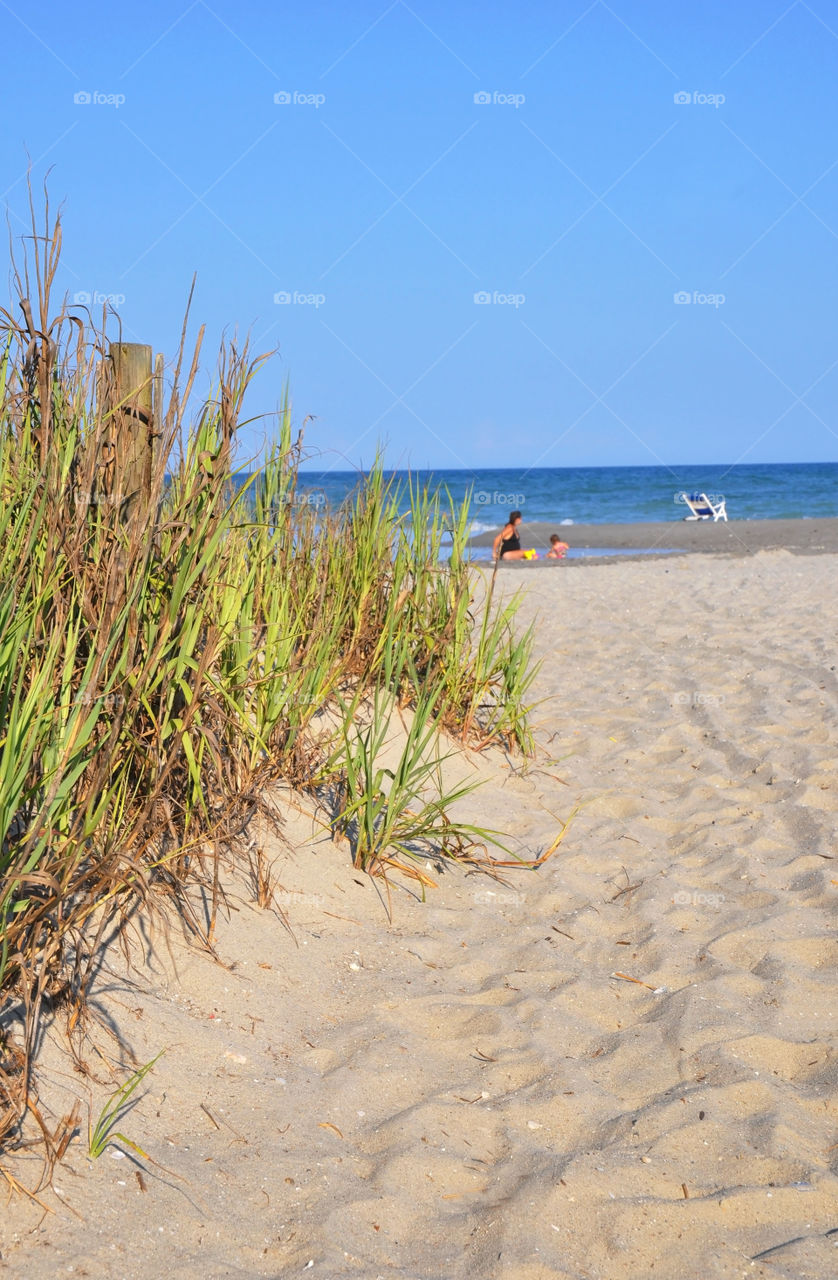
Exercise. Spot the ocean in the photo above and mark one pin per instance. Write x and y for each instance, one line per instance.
(616, 495)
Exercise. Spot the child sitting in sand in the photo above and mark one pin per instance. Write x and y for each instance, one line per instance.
(558, 549)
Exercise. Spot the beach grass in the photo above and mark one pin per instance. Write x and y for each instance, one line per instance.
(165, 662)
(104, 1132)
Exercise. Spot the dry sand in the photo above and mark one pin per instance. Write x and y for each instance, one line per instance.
(471, 1091)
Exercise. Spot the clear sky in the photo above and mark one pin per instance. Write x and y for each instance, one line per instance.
(334, 155)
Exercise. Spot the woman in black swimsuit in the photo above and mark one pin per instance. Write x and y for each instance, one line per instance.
(507, 545)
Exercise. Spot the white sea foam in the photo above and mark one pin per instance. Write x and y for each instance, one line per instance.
(565, 522)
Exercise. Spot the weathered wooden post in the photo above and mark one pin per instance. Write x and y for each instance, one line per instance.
(157, 408)
(129, 483)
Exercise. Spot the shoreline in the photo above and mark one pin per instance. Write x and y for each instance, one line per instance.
(737, 537)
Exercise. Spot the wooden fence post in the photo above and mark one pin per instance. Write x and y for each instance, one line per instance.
(133, 427)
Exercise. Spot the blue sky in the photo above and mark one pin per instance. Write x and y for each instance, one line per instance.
(485, 282)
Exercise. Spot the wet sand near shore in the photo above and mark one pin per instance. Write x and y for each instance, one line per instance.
(736, 537)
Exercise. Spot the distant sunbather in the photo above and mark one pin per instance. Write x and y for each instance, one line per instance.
(507, 545)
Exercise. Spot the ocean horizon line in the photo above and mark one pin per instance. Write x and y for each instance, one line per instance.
(599, 466)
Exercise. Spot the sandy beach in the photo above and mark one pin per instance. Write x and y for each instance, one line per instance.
(620, 1065)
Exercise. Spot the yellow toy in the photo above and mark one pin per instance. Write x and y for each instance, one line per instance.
(532, 554)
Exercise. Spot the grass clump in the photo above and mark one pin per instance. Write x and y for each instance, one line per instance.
(387, 811)
(169, 651)
(104, 1132)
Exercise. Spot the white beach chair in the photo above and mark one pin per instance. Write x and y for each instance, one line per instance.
(704, 508)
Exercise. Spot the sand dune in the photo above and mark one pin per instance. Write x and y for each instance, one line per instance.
(621, 1065)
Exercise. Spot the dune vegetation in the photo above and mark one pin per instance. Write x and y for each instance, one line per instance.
(168, 657)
